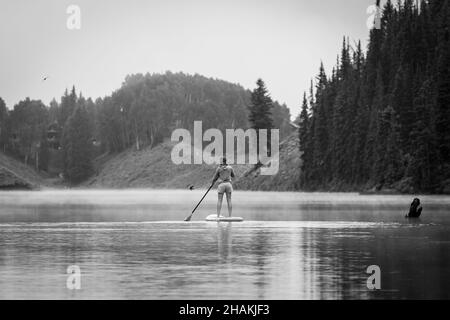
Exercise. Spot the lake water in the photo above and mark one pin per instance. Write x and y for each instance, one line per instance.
(134, 245)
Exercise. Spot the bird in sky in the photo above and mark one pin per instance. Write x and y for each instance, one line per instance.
(45, 78)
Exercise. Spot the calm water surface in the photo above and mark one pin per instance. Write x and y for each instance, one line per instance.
(134, 245)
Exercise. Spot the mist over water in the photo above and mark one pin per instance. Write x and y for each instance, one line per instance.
(134, 244)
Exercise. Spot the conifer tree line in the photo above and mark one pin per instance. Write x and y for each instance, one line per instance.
(142, 113)
(381, 120)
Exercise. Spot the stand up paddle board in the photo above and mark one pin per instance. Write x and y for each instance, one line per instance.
(213, 218)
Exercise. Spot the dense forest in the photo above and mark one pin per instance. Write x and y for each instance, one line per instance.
(381, 120)
(67, 135)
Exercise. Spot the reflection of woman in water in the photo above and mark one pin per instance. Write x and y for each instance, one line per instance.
(415, 210)
(224, 241)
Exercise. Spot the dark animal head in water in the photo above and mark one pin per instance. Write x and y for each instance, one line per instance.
(416, 210)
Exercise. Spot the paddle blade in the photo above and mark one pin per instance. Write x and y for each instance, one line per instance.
(188, 218)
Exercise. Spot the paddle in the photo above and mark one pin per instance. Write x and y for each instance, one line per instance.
(193, 211)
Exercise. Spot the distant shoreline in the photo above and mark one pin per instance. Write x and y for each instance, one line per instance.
(98, 188)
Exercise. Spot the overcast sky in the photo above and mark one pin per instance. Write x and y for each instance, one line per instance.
(281, 41)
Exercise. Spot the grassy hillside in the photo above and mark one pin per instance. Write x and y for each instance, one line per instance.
(150, 168)
(288, 175)
(17, 170)
(153, 168)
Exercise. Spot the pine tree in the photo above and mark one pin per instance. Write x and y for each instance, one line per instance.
(260, 116)
(77, 146)
(68, 105)
(392, 164)
(425, 157)
(321, 139)
(3, 121)
(303, 125)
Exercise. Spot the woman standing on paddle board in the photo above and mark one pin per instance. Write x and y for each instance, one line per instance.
(224, 173)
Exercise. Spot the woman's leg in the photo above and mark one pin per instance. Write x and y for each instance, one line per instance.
(219, 204)
(230, 206)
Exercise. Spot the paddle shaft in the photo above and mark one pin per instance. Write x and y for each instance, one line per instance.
(193, 211)
(202, 198)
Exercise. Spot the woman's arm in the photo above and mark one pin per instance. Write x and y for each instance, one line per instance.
(216, 176)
